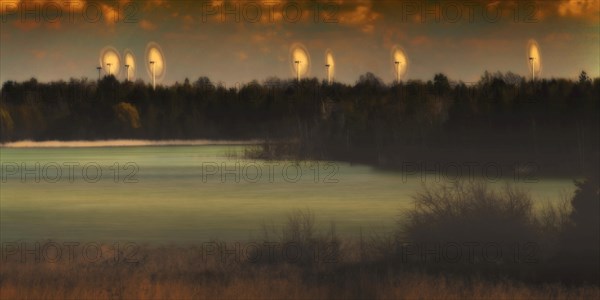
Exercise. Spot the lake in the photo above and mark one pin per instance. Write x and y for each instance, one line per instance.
(187, 194)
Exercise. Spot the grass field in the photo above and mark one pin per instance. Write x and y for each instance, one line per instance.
(298, 261)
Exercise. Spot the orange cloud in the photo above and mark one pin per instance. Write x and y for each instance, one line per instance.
(588, 9)
(269, 10)
(54, 25)
(147, 25)
(421, 40)
(241, 55)
(7, 6)
(263, 37)
(153, 4)
(38, 54)
(362, 16)
(558, 37)
(511, 10)
(51, 14)
(188, 22)
(110, 14)
(27, 25)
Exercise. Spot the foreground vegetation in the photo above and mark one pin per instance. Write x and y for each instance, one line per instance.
(551, 253)
(322, 265)
(174, 274)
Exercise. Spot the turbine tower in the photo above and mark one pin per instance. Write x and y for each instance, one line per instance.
(328, 78)
(153, 75)
(99, 72)
(297, 70)
(109, 64)
(127, 70)
(397, 64)
(532, 60)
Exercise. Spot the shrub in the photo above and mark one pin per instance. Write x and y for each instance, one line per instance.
(128, 114)
(579, 255)
(298, 242)
(6, 124)
(471, 216)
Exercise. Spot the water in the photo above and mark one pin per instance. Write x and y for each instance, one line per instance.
(164, 194)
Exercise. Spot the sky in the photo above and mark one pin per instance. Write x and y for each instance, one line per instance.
(234, 42)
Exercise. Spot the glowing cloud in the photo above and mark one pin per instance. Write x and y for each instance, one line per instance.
(110, 61)
(400, 68)
(299, 60)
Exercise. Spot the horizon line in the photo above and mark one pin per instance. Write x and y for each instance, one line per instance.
(266, 79)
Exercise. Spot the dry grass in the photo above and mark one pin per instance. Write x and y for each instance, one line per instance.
(182, 273)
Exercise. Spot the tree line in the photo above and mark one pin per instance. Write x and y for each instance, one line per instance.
(501, 115)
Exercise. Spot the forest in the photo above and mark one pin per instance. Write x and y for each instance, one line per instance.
(503, 118)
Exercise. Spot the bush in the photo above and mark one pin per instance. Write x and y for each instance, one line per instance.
(298, 242)
(579, 255)
(585, 232)
(471, 217)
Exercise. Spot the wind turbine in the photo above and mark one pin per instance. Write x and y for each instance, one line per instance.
(109, 57)
(130, 65)
(400, 62)
(330, 65)
(299, 61)
(534, 58)
(156, 65)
